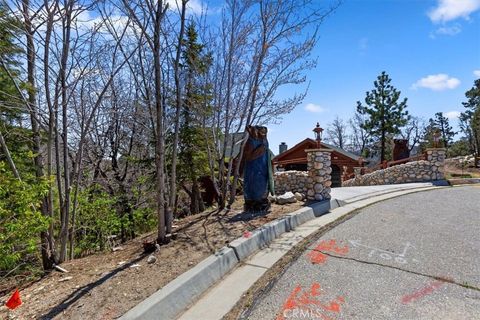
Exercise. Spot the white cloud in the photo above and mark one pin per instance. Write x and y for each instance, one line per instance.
(448, 10)
(449, 31)
(88, 21)
(437, 82)
(314, 108)
(193, 6)
(452, 115)
(446, 31)
(476, 73)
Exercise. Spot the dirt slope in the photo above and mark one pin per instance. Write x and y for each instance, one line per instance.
(106, 285)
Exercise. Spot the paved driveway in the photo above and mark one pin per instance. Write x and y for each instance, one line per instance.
(412, 257)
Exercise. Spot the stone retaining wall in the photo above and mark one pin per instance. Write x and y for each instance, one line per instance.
(294, 181)
(415, 171)
(462, 161)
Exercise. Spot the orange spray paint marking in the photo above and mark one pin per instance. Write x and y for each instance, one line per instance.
(423, 292)
(317, 257)
(308, 302)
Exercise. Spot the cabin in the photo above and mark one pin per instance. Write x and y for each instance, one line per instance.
(296, 159)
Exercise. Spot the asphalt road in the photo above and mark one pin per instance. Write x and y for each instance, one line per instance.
(412, 257)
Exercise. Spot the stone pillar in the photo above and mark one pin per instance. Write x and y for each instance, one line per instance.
(357, 171)
(319, 174)
(436, 157)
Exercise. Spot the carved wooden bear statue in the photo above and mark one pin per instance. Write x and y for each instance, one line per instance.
(400, 150)
(257, 170)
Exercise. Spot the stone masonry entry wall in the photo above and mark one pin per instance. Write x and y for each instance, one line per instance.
(315, 183)
(294, 181)
(416, 171)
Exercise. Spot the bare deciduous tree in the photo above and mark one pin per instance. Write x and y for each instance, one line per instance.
(361, 138)
(413, 132)
(337, 133)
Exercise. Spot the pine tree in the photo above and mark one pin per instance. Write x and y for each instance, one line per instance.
(11, 106)
(440, 122)
(192, 149)
(14, 139)
(384, 113)
(470, 119)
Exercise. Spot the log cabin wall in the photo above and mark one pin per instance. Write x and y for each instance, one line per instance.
(295, 158)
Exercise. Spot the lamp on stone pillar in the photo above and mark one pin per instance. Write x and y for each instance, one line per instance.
(318, 134)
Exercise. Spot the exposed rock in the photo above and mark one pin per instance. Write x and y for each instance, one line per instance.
(272, 199)
(462, 161)
(65, 279)
(287, 197)
(298, 196)
(151, 259)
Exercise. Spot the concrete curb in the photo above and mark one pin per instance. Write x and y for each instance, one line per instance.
(171, 300)
(178, 294)
(264, 235)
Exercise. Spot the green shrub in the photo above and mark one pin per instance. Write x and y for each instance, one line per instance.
(96, 221)
(20, 219)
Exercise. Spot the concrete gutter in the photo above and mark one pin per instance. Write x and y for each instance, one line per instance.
(456, 182)
(352, 195)
(171, 300)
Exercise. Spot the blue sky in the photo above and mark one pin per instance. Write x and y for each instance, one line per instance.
(430, 49)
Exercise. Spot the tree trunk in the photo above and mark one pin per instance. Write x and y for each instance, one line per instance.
(65, 210)
(46, 238)
(160, 141)
(194, 198)
(173, 178)
(382, 152)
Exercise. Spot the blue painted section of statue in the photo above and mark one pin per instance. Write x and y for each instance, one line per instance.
(255, 177)
(257, 170)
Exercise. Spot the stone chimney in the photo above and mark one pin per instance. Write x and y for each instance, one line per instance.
(282, 148)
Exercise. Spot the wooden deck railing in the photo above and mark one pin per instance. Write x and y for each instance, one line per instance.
(410, 159)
